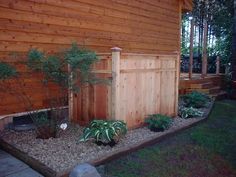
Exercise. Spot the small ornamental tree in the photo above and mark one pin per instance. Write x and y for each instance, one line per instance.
(55, 69)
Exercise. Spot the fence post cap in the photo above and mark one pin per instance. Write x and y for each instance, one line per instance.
(116, 49)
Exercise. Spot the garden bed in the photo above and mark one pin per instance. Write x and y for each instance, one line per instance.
(56, 157)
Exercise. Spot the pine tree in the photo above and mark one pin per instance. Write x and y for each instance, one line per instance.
(234, 53)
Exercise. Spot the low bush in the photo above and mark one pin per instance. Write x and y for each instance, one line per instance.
(195, 99)
(189, 112)
(158, 122)
(105, 132)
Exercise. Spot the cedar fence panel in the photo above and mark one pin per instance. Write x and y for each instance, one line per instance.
(142, 84)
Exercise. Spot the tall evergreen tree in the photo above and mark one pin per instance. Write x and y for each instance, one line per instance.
(234, 51)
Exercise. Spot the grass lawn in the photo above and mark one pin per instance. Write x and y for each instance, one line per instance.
(208, 150)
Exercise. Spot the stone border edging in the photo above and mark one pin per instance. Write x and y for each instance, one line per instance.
(48, 172)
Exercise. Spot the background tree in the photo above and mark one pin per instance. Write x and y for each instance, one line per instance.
(234, 53)
(219, 16)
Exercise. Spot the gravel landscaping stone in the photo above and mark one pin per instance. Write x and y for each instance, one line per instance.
(65, 152)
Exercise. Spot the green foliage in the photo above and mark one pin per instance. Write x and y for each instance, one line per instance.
(104, 131)
(7, 71)
(158, 122)
(219, 16)
(189, 112)
(195, 99)
(80, 61)
(35, 59)
(210, 146)
(54, 67)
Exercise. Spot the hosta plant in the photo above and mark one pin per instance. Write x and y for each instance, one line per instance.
(106, 132)
(189, 112)
(158, 122)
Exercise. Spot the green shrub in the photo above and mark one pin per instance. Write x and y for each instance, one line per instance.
(158, 122)
(189, 112)
(195, 99)
(104, 131)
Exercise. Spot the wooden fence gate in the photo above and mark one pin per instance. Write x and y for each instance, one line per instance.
(141, 84)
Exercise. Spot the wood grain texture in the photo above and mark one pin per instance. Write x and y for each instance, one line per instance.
(143, 26)
(94, 101)
(137, 26)
(142, 85)
(187, 5)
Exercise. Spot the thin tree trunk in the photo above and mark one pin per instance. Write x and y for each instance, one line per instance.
(183, 33)
(199, 40)
(191, 49)
(204, 53)
(234, 46)
(209, 39)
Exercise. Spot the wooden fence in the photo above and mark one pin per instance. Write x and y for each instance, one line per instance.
(140, 85)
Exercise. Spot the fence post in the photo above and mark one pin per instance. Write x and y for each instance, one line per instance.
(115, 113)
(217, 65)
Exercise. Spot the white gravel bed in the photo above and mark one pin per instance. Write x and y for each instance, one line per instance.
(65, 152)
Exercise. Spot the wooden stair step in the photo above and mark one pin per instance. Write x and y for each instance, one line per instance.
(213, 90)
(202, 85)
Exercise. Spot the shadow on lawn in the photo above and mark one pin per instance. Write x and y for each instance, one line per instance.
(208, 150)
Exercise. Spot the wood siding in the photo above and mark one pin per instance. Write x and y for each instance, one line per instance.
(187, 5)
(137, 26)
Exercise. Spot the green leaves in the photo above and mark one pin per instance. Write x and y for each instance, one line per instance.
(7, 71)
(35, 59)
(54, 67)
(158, 121)
(195, 99)
(104, 131)
(190, 103)
(189, 112)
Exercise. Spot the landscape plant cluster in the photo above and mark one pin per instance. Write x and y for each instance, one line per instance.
(54, 69)
(109, 132)
(104, 132)
(191, 103)
(158, 122)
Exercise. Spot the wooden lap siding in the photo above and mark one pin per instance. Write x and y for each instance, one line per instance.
(137, 26)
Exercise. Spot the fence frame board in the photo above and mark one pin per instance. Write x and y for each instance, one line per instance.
(142, 84)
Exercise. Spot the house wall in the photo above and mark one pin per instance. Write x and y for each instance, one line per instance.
(137, 26)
